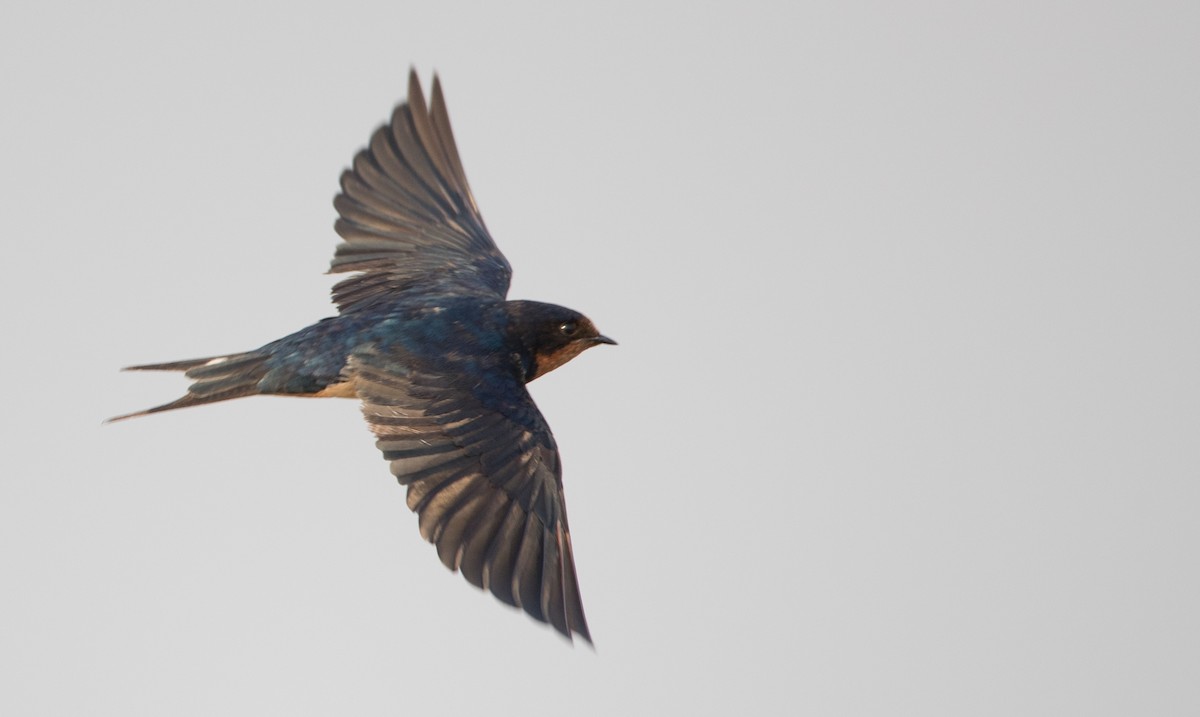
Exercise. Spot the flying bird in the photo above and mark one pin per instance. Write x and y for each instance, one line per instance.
(426, 339)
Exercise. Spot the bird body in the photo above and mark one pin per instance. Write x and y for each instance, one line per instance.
(427, 340)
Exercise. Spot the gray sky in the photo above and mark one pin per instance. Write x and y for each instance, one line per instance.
(903, 420)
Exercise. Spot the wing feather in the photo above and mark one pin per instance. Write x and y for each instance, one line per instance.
(407, 217)
(483, 477)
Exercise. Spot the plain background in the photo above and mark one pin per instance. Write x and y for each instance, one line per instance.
(903, 420)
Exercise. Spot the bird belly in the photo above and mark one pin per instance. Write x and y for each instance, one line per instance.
(345, 389)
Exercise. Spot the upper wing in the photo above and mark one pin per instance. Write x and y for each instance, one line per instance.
(483, 475)
(407, 214)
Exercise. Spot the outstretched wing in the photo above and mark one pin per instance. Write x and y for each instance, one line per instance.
(407, 215)
(483, 475)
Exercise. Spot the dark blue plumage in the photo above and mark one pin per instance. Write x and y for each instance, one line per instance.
(427, 340)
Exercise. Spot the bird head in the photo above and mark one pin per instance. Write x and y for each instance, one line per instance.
(551, 335)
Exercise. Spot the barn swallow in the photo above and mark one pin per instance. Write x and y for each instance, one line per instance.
(425, 338)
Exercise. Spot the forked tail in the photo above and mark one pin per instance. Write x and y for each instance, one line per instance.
(218, 378)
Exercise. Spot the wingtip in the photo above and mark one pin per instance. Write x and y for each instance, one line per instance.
(586, 639)
(574, 634)
(415, 94)
(414, 81)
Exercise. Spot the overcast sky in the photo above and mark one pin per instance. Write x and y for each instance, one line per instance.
(903, 420)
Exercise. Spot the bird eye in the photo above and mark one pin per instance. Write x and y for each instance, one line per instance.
(570, 328)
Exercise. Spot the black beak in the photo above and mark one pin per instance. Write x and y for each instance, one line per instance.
(602, 339)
